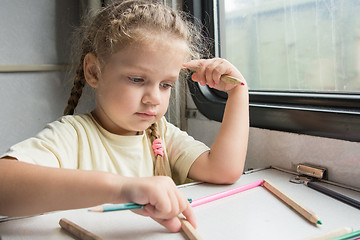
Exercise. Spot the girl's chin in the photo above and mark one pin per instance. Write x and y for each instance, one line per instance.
(140, 130)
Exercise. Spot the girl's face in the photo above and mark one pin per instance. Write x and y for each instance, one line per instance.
(134, 88)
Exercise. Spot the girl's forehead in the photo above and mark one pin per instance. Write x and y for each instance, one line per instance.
(155, 47)
(163, 43)
(156, 56)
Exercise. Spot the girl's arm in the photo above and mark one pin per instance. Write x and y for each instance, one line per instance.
(27, 189)
(224, 163)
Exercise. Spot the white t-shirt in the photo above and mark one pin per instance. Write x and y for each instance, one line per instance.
(79, 142)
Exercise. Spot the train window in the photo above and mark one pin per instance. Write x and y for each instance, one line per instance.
(301, 59)
(306, 45)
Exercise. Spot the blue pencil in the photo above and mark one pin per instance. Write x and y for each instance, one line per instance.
(116, 207)
(119, 207)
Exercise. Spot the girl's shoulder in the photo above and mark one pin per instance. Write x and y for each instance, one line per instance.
(164, 125)
(76, 119)
(169, 130)
(72, 123)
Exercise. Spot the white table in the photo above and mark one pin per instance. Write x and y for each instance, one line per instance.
(253, 214)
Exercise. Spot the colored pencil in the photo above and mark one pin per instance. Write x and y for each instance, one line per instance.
(77, 231)
(232, 80)
(347, 236)
(116, 207)
(333, 194)
(226, 78)
(223, 194)
(119, 207)
(310, 216)
(188, 229)
(331, 234)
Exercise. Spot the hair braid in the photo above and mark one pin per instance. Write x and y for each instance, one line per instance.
(76, 91)
(159, 165)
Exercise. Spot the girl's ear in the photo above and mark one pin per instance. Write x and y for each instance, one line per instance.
(91, 70)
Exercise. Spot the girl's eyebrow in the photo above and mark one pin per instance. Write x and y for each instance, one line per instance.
(133, 69)
(128, 66)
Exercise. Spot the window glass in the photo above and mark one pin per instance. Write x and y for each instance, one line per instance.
(293, 45)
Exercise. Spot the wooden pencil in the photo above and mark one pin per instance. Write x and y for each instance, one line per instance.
(231, 80)
(307, 214)
(226, 78)
(188, 229)
(77, 231)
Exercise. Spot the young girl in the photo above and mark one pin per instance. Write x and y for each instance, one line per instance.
(124, 150)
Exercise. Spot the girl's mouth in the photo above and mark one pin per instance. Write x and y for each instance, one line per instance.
(146, 115)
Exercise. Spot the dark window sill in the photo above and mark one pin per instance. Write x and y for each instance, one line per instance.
(317, 114)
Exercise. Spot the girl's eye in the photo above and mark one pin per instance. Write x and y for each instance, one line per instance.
(136, 79)
(166, 85)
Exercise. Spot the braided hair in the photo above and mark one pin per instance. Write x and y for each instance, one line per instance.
(160, 163)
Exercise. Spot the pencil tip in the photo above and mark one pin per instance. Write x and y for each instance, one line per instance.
(96, 209)
(319, 222)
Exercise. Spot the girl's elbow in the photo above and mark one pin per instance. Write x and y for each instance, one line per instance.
(233, 178)
(229, 177)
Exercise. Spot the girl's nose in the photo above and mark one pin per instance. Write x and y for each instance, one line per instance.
(152, 96)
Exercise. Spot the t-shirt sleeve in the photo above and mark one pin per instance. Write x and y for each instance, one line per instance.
(50, 147)
(182, 151)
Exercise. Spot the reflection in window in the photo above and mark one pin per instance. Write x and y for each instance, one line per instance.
(293, 45)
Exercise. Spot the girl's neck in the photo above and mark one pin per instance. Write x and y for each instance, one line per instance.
(123, 132)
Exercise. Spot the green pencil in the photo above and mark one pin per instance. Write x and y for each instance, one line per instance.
(347, 236)
(119, 207)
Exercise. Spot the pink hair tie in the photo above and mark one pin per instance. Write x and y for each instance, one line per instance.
(157, 146)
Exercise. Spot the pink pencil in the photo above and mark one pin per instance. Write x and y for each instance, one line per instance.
(225, 193)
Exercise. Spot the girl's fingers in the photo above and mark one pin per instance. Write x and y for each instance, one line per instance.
(193, 65)
(197, 78)
(172, 224)
(208, 71)
(163, 202)
(167, 204)
(214, 72)
(142, 212)
(174, 203)
(189, 214)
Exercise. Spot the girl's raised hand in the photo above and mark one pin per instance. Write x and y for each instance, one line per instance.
(209, 71)
(164, 202)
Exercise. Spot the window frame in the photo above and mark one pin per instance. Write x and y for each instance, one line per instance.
(331, 115)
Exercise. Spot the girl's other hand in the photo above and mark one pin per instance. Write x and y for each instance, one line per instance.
(209, 71)
(163, 201)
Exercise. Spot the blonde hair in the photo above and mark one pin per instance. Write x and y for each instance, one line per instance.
(122, 23)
